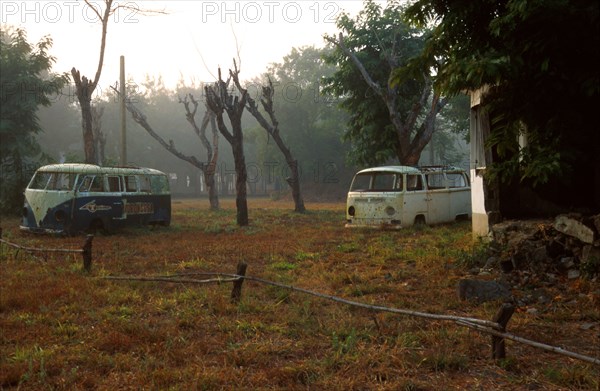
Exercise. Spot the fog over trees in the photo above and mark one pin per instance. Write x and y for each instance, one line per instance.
(313, 123)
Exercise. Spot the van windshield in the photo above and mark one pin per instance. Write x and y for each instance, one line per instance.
(361, 182)
(58, 181)
(377, 181)
(40, 180)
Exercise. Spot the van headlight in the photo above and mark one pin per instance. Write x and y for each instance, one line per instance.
(351, 211)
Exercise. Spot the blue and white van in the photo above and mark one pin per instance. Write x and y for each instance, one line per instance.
(75, 198)
(400, 196)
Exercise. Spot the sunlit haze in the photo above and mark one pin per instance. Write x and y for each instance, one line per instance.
(189, 41)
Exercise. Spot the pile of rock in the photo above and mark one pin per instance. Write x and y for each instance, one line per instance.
(569, 245)
(534, 255)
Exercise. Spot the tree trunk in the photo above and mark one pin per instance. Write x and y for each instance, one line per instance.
(241, 177)
(84, 90)
(294, 179)
(89, 146)
(273, 130)
(411, 160)
(209, 172)
(218, 100)
(213, 196)
(99, 136)
(236, 140)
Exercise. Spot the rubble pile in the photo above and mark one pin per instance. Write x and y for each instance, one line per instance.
(548, 250)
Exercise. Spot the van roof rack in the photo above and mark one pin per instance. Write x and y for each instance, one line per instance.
(437, 167)
(124, 166)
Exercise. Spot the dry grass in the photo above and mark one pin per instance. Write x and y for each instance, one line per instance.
(63, 329)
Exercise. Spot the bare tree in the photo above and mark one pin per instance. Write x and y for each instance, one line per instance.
(272, 129)
(84, 87)
(212, 151)
(411, 138)
(221, 100)
(208, 169)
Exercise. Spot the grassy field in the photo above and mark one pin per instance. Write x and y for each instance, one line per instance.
(62, 328)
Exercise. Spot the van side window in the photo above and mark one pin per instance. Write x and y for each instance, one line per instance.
(414, 183)
(456, 180)
(114, 184)
(436, 181)
(130, 184)
(160, 184)
(61, 181)
(145, 184)
(92, 183)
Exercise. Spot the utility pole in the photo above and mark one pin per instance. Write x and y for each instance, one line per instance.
(123, 114)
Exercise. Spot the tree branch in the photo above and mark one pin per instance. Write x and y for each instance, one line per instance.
(418, 106)
(215, 102)
(200, 131)
(363, 71)
(140, 119)
(104, 20)
(427, 128)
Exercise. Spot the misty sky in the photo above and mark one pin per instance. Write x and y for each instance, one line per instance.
(191, 41)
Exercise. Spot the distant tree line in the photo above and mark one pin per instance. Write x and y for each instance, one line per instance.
(313, 116)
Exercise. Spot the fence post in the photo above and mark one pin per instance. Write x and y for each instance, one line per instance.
(236, 292)
(502, 317)
(87, 253)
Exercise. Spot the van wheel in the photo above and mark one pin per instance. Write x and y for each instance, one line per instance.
(420, 221)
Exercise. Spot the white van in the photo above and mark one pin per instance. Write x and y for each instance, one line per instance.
(400, 196)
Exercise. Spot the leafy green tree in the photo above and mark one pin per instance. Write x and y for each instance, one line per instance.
(25, 84)
(387, 120)
(540, 60)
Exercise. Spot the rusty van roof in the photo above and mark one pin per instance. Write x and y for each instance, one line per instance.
(411, 169)
(394, 169)
(81, 168)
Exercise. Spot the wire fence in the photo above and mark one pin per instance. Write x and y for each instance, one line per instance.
(85, 250)
(496, 327)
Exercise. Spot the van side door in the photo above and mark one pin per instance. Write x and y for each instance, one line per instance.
(115, 188)
(438, 198)
(415, 200)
